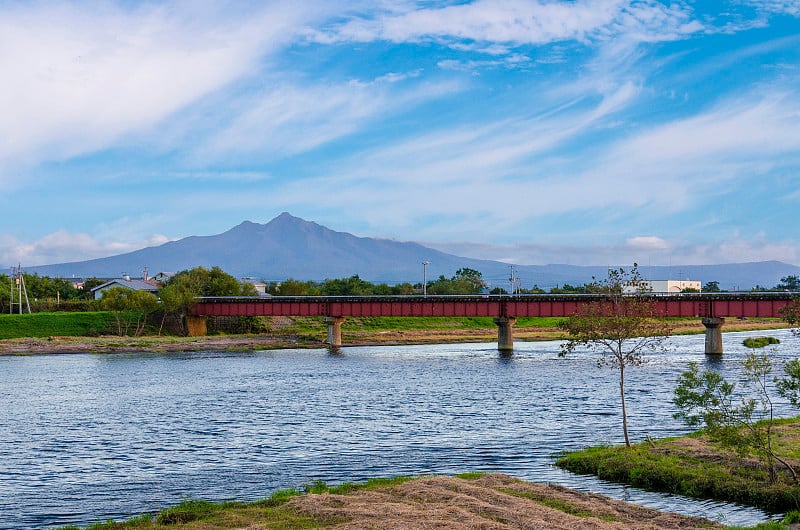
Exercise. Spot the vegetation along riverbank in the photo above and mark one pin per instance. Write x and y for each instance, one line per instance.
(469, 501)
(92, 332)
(697, 466)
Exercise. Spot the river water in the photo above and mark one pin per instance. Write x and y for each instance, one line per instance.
(91, 437)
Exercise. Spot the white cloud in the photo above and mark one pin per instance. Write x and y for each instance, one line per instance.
(646, 243)
(63, 246)
(788, 7)
(518, 22)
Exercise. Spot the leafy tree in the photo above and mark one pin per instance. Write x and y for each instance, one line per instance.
(622, 328)
(470, 277)
(534, 290)
(130, 308)
(175, 300)
(791, 314)
(352, 286)
(789, 283)
(711, 287)
(574, 289)
(741, 421)
(403, 288)
(88, 285)
(5, 293)
(465, 281)
(181, 289)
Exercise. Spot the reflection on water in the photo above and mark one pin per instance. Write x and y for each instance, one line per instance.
(92, 437)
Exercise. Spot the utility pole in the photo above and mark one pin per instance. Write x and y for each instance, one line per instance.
(19, 279)
(425, 278)
(514, 281)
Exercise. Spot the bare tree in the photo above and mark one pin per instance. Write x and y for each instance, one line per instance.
(622, 326)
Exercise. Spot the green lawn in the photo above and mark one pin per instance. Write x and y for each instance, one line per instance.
(37, 325)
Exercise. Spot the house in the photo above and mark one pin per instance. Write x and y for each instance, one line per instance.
(136, 285)
(162, 277)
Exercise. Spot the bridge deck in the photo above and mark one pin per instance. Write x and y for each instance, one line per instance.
(744, 305)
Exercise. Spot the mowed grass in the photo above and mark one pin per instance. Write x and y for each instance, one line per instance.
(36, 325)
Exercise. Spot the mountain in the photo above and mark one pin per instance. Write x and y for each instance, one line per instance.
(290, 247)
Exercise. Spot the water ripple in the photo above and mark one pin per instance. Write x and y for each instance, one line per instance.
(92, 437)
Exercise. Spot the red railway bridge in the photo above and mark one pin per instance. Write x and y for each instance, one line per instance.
(713, 308)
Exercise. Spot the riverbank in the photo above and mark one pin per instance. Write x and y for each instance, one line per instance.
(694, 466)
(285, 337)
(490, 502)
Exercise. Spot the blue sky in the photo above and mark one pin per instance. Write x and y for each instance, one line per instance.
(584, 132)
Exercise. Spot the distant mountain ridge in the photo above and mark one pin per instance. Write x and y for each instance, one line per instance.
(290, 247)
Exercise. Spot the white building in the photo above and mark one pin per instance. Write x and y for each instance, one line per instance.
(665, 286)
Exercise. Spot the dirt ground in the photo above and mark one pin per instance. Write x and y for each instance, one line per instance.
(492, 502)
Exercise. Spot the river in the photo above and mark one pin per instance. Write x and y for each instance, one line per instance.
(86, 438)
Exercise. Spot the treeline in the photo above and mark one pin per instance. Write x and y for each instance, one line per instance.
(465, 281)
(48, 294)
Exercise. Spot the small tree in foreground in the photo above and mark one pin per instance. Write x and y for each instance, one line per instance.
(791, 314)
(131, 308)
(742, 421)
(622, 327)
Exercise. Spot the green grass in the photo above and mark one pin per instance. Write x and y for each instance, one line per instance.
(759, 342)
(39, 325)
(668, 468)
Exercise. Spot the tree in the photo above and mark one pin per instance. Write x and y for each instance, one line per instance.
(622, 327)
(182, 288)
(352, 286)
(130, 308)
(471, 278)
(791, 314)
(706, 399)
(789, 283)
(711, 287)
(175, 300)
(465, 281)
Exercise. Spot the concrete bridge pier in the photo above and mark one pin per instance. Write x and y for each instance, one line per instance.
(334, 330)
(713, 335)
(505, 333)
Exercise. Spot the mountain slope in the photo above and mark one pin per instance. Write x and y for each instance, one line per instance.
(290, 247)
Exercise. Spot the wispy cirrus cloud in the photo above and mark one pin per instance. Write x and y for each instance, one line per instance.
(286, 119)
(79, 80)
(520, 22)
(788, 7)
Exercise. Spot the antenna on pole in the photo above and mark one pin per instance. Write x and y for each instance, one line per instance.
(514, 280)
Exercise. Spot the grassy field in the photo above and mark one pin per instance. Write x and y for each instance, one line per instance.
(39, 325)
(695, 467)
